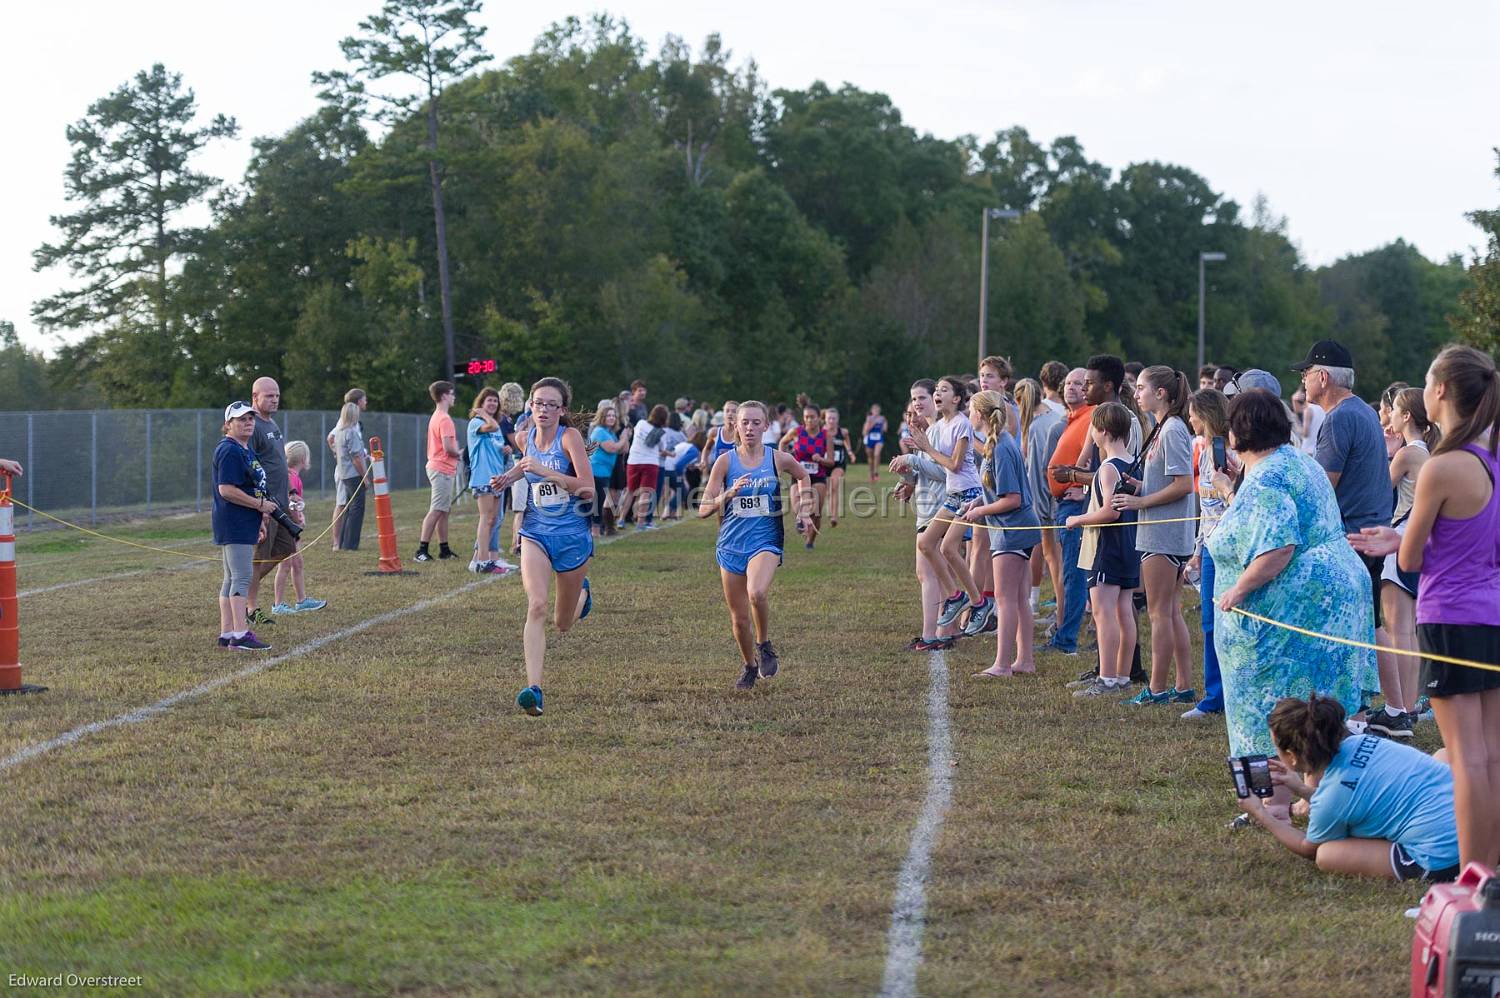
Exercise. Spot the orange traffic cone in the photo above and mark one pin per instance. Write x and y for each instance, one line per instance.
(385, 523)
(10, 627)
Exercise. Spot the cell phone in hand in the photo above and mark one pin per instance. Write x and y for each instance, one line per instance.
(1221, 458)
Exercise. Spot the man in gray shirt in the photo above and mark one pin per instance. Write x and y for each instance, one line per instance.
(1351, 447)
(270, 450)
(1351, 444)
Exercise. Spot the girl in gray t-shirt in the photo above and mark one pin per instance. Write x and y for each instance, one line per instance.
(1165, 492)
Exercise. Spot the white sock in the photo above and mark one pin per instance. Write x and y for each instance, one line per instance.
(1036, 597)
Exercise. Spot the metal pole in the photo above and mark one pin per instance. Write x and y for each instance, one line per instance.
(148, 464)
(984, 281)
(421, 455)
(31, 478)
(390, 434)
(93, 467)
(198, 462)
(1200, 311)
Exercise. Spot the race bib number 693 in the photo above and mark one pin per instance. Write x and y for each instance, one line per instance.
(754, 505)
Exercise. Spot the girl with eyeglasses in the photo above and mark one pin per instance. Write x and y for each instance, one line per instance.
(555, 535)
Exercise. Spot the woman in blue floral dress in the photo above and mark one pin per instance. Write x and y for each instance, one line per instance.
(1280, 552)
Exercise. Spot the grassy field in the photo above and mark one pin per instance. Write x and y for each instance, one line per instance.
(375, 815)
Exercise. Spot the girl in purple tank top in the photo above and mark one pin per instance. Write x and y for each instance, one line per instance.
(1453, 539)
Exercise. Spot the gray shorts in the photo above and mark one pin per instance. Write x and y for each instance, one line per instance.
(239, 559)
(442, 490)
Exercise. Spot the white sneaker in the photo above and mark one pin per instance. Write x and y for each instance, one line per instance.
(503, 564)
(1198, 715)
(476, 566)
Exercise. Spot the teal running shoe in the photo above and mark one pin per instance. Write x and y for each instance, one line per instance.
(1174, 695)
(530, 700)
(1145, 697)
(588, 599)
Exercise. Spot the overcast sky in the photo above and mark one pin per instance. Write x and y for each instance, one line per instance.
(1362, 122)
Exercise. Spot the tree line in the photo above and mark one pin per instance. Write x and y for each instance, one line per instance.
(591, 209)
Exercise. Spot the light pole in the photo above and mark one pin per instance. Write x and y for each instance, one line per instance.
(984, 270)
(1202, 259)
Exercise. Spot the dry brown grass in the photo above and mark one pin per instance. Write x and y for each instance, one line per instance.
(377, 816)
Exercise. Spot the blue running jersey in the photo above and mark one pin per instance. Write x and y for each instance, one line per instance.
(750, 521)
(550, 508)
(718, 446)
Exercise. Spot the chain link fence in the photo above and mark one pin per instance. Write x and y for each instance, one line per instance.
(84, 466)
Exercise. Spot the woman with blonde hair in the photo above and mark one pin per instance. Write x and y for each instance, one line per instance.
(606, 443)
(352, 461)
(512, 404)
(1006, 509)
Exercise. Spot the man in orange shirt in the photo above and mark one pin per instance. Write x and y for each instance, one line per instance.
(442, 470)
(1072, 498)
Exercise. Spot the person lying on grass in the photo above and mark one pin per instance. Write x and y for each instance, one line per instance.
(1376, 808)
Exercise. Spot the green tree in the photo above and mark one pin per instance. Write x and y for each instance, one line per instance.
(434, 43)
(1477, 319)
(130, 176)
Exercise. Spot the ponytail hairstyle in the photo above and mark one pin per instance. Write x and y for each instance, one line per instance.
(565, 416)
(926, 384)
(1409, 401)
(1473, 389)
(1310, 729)
(960, 387)
(994, 411)
(1028, 399)
(1174, 383)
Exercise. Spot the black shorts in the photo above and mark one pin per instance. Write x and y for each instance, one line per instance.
(1109, 579)
(617, 475)
(1179, 561)
(1018, 552)
(1475, 642)
(1375, 564)
(1406, 868)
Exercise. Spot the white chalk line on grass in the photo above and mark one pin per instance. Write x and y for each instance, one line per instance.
(203, 689)
(146, 713)
(909, 910)
(110, 578)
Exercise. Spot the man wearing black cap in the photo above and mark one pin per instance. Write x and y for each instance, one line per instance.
(1351, 447)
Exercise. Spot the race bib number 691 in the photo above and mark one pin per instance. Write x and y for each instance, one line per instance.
(548, 495)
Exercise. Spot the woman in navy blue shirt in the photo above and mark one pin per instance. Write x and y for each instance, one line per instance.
(240, 508)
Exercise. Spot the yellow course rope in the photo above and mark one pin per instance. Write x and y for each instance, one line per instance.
(1267, 620)
(181, 554)
(1058, 526)
(1367, 645)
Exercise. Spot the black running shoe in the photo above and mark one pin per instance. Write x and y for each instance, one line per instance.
(747, 681)
(1392, 726)
(769, 663)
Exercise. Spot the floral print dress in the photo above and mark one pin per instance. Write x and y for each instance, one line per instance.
(1284, 500)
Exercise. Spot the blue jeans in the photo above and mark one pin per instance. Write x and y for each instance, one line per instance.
(1075, 579)
(499, 519)
(1213, 683)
